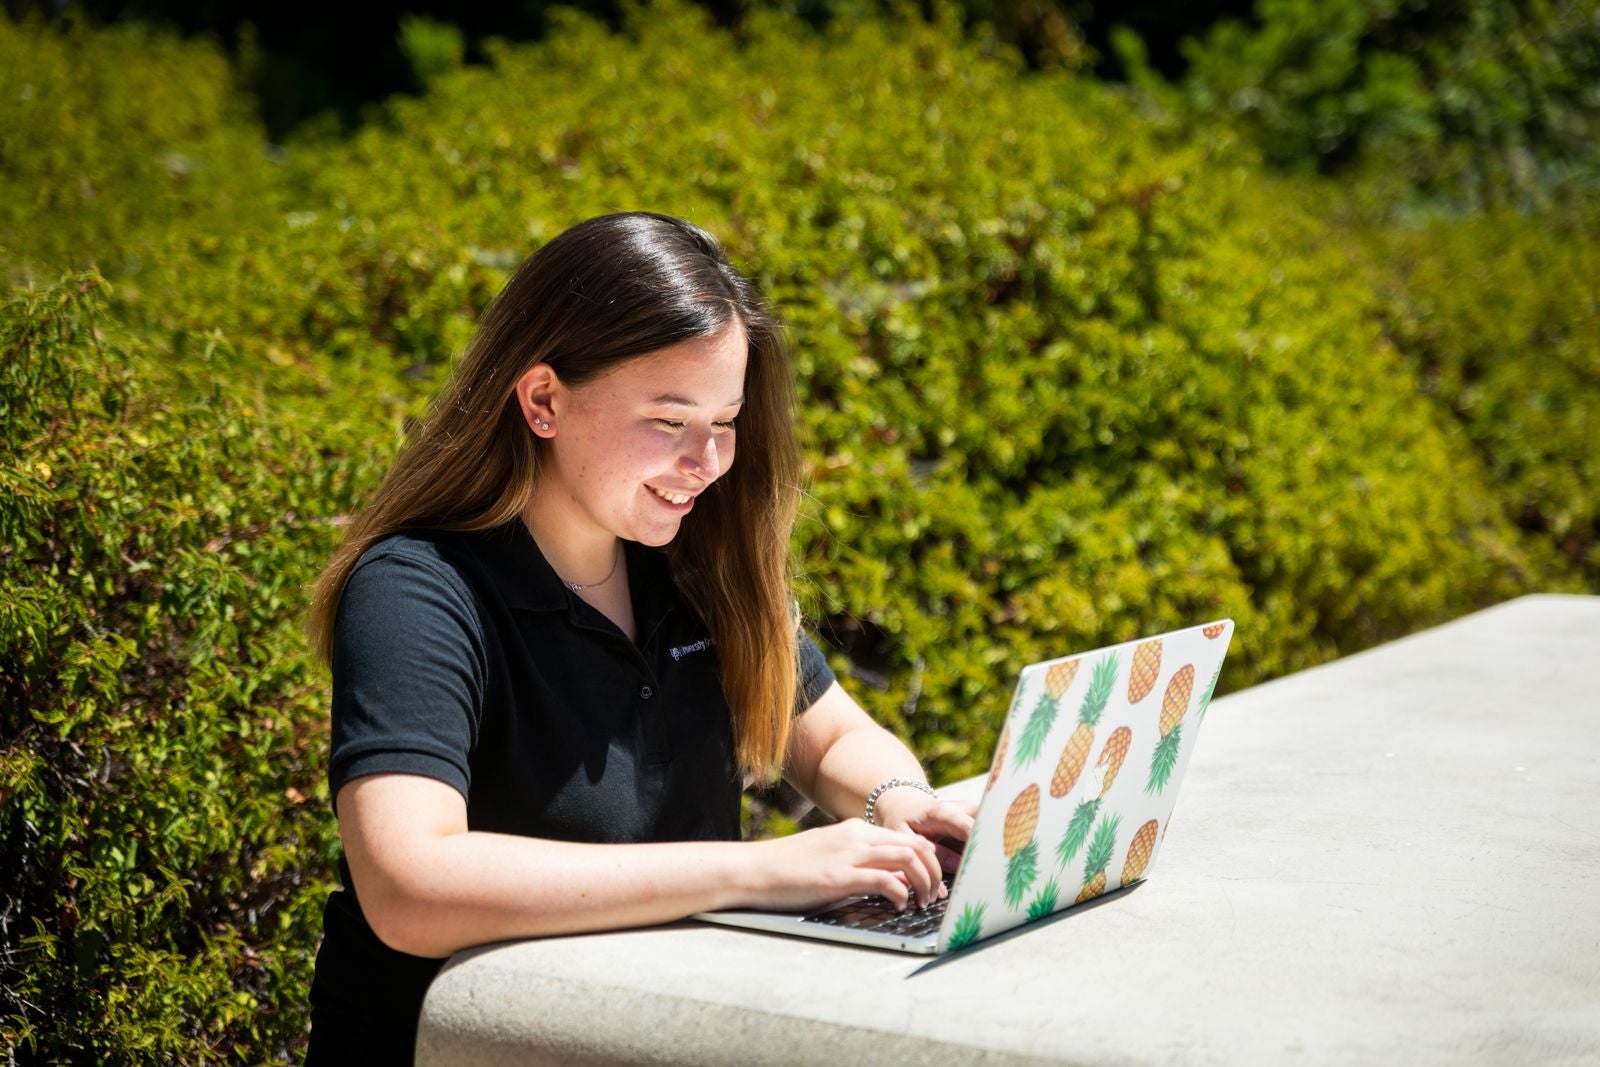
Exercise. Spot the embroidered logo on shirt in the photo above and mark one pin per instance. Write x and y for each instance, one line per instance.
(680, 651)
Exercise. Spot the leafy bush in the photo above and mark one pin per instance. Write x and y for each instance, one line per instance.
(110, 135)
(1488, 102)
(1499, 317)
(165, 810)
(1069, 373)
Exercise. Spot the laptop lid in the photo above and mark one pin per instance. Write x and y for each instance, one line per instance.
(1084, 779)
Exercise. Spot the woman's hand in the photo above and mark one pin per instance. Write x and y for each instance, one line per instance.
(904, 808)
(848, 858)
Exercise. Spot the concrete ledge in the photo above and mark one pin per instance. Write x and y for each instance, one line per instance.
(1394, 856)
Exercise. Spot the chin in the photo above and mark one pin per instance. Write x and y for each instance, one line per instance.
(657, 538)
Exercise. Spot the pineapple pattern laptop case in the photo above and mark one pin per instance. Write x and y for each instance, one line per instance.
(1084, 778)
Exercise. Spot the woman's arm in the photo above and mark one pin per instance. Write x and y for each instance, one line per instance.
(430, 887)
(837, 755)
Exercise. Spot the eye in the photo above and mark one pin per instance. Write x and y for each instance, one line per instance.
(669, 424)
(726, 424)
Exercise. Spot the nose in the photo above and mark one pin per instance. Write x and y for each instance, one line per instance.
(702, 459)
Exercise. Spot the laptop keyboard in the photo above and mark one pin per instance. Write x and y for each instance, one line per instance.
(878, 914)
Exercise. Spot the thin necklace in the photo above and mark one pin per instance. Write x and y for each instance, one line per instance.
(578, 588)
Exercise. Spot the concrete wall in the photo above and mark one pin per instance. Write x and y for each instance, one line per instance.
(1392, 857)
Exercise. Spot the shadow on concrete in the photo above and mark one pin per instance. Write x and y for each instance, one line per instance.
(1049, 920)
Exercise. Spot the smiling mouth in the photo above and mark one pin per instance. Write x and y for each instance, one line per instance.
(669, 497)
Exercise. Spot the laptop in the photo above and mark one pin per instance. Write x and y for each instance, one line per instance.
(1079, 794)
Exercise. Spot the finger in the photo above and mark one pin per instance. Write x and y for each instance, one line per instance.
(891, 885)
(949, 859)
(928, 852)
(906, 858)
(964, 816)
(915, 856)
(945, 821)
(928, 874)
(923, 870)
(952, 832)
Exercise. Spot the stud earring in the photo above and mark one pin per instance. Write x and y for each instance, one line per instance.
(540, 423)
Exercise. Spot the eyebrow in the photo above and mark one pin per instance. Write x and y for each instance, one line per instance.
(685, 402)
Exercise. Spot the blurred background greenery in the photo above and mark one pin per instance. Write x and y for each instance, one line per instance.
(1109, 319)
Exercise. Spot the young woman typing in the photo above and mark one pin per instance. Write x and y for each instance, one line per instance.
(563, 639)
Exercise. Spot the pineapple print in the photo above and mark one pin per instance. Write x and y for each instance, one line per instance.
(1174, 705)
(1144, 843)
(1142, 675)
(999, 757)
(1205, 701)
(1100, 849)
(1056, 681)
(1214, 631)
(1045, 903)
(1022, 851)
(968, 925)
(1111, 757)
(1077, 750)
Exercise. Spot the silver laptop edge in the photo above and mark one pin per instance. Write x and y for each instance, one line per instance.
(1088, 779)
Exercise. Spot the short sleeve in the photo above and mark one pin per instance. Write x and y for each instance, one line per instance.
(815, 675)
(408, 673)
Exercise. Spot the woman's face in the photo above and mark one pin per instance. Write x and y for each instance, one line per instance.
(632, 449)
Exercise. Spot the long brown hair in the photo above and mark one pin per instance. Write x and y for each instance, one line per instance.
(611, 289)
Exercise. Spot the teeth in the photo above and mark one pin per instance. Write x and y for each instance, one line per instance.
(671, 498)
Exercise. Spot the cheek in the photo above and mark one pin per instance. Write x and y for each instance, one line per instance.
(640, 455)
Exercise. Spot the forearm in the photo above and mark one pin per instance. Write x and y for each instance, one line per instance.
(857, 763)
(838, 755)
(429, 886)
(471, 888)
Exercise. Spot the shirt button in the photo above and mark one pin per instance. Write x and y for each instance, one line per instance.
(645, 692)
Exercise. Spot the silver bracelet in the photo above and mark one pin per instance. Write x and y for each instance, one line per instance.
(872, 797)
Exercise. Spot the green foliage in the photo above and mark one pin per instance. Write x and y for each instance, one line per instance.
(1483, 101)
(432, 48)
(111, 134)
(164, 815)
(1069, 374)
(1498, 315)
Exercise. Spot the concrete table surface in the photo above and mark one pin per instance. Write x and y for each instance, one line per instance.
(1395, 856)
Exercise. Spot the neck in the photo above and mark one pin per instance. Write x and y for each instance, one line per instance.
(578, 551)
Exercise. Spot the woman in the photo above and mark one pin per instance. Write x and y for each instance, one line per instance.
(562, 637)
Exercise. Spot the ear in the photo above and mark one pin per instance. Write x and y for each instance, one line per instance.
(538, 392)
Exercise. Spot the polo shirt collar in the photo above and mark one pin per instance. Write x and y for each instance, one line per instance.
(524, 577)
(529, 582)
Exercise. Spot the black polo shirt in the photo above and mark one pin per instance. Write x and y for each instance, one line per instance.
(463, 657)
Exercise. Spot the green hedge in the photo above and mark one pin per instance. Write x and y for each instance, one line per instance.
(1071, 372)
(111, 136)
(1485, 102)
(164, 810)
(1499, 317)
